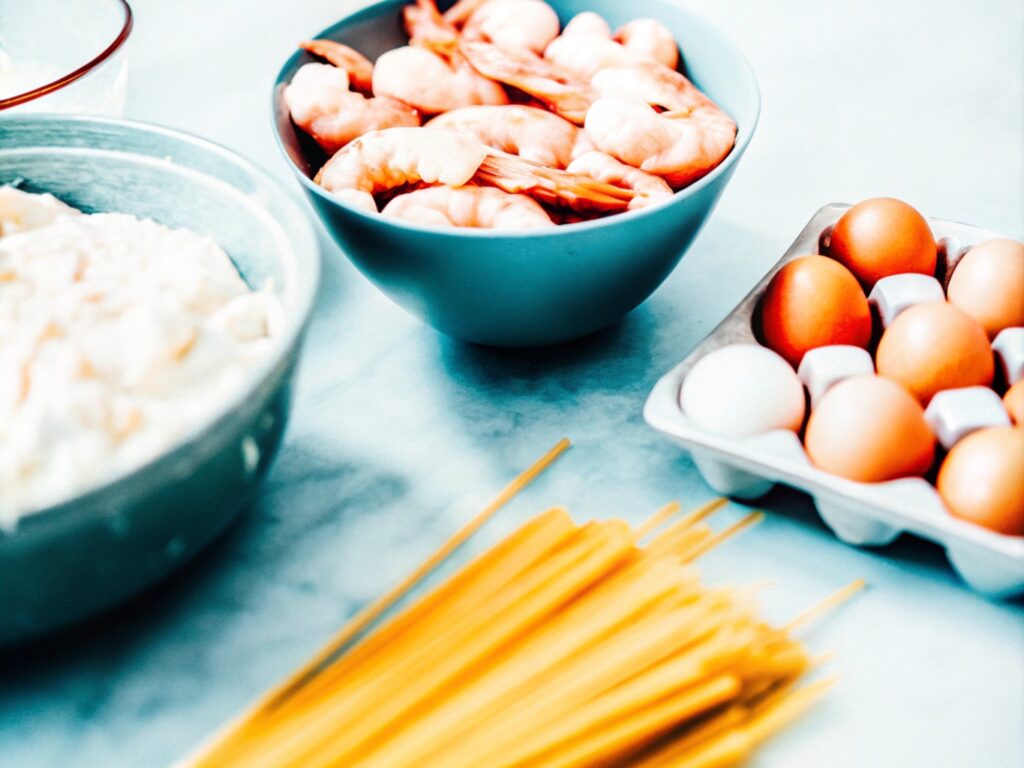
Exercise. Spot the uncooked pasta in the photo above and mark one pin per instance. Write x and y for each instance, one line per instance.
(565, 644)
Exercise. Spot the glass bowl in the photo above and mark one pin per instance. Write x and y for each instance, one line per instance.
(63, 55)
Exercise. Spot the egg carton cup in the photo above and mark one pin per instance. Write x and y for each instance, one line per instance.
(862, 514)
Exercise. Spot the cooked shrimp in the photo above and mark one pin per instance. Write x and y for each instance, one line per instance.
(532, 133)
(431, 83)
(476, 207)
(603, 167)
(655, 84)
(583, 55)
(651, 40)
(431, 74)
(395, 157)
(560, 91)
(586, 47)
(551, 186)
(529, 24)
(358, 67)
(588, 23)
(678, 146)
(389, 159)
(322, 105)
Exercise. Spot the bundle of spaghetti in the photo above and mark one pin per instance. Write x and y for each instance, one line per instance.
(563, 645)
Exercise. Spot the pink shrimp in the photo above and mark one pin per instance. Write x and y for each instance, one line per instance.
(528, 24)
(358, 67)
(652, 83)
(472, 207)
(583, 55)
(686, 142)
(321, 104)
(588, 23)
(380, 161)
(531, 133)
(431, 73)
(551, 186)
(679, 146)
(586, 46)
(650, 40)
(603, 167)
(394, 158)
(561, 91)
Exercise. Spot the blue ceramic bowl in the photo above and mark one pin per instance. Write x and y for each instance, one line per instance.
(529, 289)
(65, 562)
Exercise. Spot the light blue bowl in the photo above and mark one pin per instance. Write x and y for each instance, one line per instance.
(70, 560)
(530, 289)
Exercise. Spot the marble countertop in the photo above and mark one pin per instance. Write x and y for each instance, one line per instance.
(399, 434)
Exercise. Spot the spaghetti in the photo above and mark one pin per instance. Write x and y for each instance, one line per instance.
(564, 645)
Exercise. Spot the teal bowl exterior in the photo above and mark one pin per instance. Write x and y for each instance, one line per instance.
(63, 563)
(529, 289)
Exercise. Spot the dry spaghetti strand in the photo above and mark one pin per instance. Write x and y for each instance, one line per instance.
(565, 645)
(380, 606)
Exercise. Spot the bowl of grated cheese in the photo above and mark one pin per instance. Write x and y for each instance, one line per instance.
(154, 290)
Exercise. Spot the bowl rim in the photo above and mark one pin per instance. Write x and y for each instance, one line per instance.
(80, 72)
(306, 272)
(743, 138)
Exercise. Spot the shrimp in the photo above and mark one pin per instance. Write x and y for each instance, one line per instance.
(358, 67)
(477, 207)
(551, 186)
(586, 46)
(322, 105)
(686, 142)
(560, 91)
(650, 40)
(652, 83)
(603, 167)
(678, 146)
(588, 23)
(515, 24)
(392, 158)
(431, 73)
(431, 82)
(531, 133)
(381, 161)
(583, 55)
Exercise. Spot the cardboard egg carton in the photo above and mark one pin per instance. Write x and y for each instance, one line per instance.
(858, 513)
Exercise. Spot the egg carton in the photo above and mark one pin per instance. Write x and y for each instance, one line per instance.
(863, 514)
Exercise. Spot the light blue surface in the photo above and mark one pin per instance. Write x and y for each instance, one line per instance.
(399, 435)
(534, 288)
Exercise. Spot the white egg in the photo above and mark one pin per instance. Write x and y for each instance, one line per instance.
(743, 389)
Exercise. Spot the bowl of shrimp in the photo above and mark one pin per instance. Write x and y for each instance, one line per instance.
(516, 173)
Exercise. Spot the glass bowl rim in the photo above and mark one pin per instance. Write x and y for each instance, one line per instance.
(80, 72)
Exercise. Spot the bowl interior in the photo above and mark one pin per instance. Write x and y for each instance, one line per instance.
(709, 59)
(47, 46)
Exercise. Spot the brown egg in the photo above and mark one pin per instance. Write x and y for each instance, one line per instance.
(814, 301)
(1013, 401)
(882, 237)
(982, 479)
(935, 346)
(988, 284)
(871, 429)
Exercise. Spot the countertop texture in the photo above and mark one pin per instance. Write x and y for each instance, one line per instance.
(399, 434)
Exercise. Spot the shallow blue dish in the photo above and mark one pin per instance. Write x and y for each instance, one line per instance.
(73, 559)
(529, 289)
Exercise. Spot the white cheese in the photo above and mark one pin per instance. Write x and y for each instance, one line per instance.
(118, 337)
